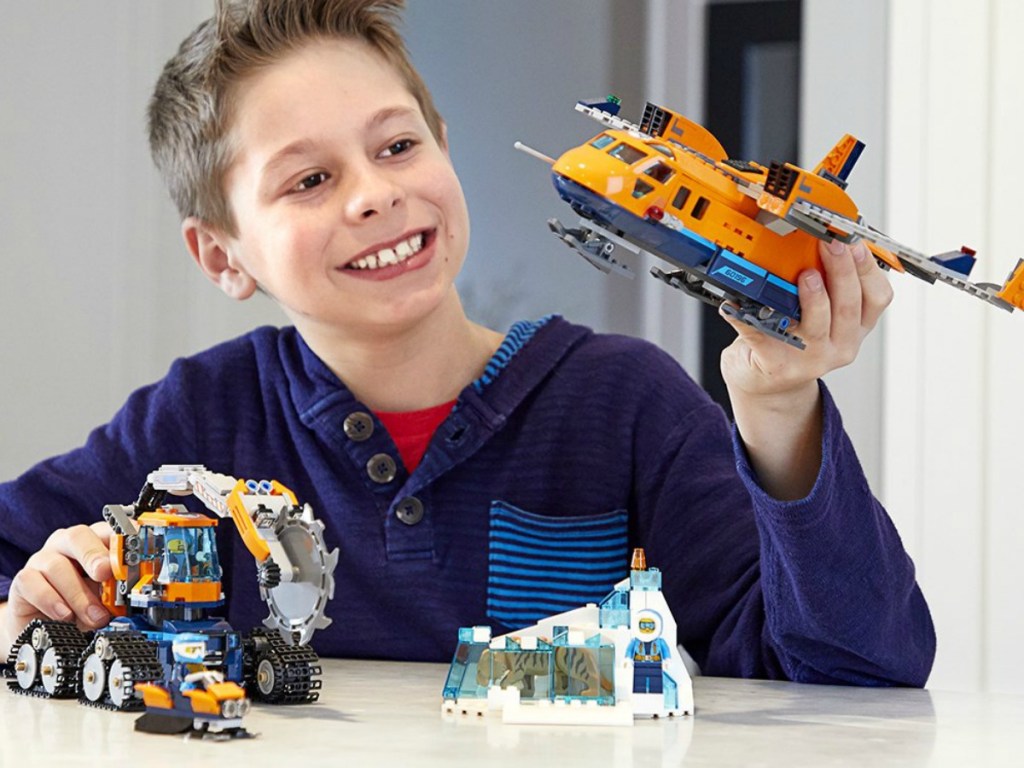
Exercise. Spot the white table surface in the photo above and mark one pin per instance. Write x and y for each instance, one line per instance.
(386, 713)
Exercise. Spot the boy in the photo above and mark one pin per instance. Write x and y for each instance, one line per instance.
(468, 477)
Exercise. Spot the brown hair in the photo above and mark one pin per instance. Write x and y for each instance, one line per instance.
(190, 111)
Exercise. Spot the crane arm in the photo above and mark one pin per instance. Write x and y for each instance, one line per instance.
(296, 568)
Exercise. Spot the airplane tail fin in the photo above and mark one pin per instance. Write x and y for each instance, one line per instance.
(840, 160)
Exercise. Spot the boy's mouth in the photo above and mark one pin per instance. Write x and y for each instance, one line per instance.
(391, 256)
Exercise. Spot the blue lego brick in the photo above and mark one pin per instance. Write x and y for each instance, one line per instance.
(851, 161)
(748, 279)
(958, 262)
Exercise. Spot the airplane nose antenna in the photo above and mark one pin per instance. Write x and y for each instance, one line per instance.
(533, 152)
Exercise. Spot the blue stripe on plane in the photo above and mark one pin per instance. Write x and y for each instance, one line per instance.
(747, 265)
(784, 284)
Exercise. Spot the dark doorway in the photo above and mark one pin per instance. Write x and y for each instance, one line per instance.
(752, 104)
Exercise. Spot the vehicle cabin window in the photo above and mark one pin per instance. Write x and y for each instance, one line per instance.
(699, 207)
(602, 141)
(660, 172)
(680, 199)
(667, 152)
(641, 188)
(627, 154)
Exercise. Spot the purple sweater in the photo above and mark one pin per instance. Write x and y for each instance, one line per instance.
(571, 449)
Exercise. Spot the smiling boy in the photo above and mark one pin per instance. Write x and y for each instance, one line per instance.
(468, 477)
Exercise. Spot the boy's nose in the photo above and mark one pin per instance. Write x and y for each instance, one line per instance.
(371, 193)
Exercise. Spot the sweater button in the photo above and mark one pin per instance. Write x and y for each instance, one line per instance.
(381, 468)
(358, 426)
(409, 510)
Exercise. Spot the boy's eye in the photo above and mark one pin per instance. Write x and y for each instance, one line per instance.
(398, 147)
(313, 180)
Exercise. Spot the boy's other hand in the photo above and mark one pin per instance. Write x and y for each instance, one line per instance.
(61, 581)
(773, 386)
(838, 310)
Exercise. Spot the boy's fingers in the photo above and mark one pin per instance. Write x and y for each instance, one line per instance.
(71, 587)
(844, 290)
(874, 284)
(32, 596)
(83, 545)
(815, 306)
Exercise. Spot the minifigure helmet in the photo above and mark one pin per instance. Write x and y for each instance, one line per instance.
(648, 625)
(189, 648)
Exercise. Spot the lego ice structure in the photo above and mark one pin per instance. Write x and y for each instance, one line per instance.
(736, 233)
(599, 664)
(166, 650)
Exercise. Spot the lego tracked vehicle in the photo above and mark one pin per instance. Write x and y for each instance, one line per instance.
(166, 650)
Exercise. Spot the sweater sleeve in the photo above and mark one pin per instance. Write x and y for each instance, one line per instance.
(841, 600)
(155, 426)
(818, 590)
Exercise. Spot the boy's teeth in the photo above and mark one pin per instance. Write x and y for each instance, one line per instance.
(388, 256)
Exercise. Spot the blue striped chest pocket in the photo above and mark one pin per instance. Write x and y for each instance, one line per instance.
(539, 565)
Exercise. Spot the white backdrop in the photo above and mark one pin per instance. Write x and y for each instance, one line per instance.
(954, 369)
(98, 294)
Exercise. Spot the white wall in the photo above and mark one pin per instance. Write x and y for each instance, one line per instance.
(843, 86)
(98, 294)
(953, 368)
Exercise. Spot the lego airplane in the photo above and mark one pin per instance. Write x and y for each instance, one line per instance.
(736, 233)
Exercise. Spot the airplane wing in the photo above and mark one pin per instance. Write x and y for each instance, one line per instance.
(952, 267)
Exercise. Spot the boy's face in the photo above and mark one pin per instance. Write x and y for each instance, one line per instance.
(348, 211)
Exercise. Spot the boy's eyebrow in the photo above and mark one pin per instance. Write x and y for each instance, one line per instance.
(302, 146)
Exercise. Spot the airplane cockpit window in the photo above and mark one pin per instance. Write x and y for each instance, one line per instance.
(641, 188)
(602, 141)
(666, 151)
(659, 172)
(627, 154)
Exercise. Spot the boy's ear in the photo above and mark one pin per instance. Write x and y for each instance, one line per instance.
(209, 248)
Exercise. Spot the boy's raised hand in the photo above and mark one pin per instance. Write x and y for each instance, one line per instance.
(773, 386)
(61, 581)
